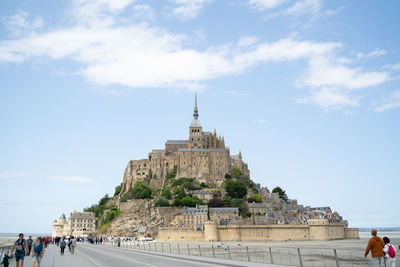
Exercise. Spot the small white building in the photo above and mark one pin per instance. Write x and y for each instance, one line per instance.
(78, 224)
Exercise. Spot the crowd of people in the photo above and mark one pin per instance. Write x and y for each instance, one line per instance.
(27, 247)
(382, 251)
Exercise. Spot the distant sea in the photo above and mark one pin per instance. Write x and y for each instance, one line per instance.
(9, 238)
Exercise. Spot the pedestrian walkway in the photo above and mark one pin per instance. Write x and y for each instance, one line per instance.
(52, 258)
(104, 256)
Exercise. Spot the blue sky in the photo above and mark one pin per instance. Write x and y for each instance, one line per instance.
(307, 89)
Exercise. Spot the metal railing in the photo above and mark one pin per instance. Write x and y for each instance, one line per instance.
(293, 256)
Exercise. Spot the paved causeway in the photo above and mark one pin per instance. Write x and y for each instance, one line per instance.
(104, 256)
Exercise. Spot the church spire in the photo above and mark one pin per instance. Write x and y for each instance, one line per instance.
(195, 122)
(196, 111)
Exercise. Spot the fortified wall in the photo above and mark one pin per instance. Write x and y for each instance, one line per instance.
(316, 229)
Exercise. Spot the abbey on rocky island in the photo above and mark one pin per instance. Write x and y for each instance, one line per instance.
(203, 156)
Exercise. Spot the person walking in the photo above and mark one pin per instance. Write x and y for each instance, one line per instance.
(69, 244)
(29, 242)
(6, 259)
(73, 245)
(389, 253)
(20, 248)
(375, 245)
(46, 241)
(63, 244)
(38, 252)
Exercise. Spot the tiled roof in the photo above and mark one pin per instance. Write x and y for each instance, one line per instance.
(257, 205)
(224, 210)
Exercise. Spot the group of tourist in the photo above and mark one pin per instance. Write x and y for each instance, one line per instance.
(27, 247)
(381, 249)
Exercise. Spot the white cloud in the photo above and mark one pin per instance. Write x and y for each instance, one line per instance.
(143, 12)
(303, 7)
(330, 98)
(376, 52)
(73, 179)
(189, 9)
(262, 5)
(138, 55)
(12, 174)
(324, 72)
(393, 67)
(392, 101)
(21, 23)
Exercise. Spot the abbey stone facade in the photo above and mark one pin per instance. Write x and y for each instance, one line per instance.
(203, 156)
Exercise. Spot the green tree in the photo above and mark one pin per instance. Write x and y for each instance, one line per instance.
(235, 189)
(118, 189)
(204, 185)
(281, 192)
(227, 201)
(162, 203)
(182, 180)
(139, 190)
(110, 215)
(257, 198)
(187, 202)
(172, 174)
(228, 176)
(239, 203)
(166, 193)
(179, 192)
(236, 173)
(104, 200)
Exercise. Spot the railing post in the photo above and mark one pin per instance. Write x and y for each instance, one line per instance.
(149, 247)
(199, 250)
(212, 246)
(248, 255)
(229, 253)
(188, 249)
(270, 254)
(179, 250)
(170, 251)
(336, 258)
(162, 247)
(300, 259)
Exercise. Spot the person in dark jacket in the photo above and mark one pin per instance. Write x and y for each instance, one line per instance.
(6, 259)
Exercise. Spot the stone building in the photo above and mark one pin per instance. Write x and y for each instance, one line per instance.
(194, 218)
(223, 216)
(203, 155)
(78, 224)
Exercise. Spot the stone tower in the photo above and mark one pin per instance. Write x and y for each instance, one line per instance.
(195, 129)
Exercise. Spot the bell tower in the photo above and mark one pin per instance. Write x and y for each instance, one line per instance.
(195, 129)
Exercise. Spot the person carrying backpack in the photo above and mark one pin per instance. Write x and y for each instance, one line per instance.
(389, 253)
(37, 252)
(20, 248)
(63, 244)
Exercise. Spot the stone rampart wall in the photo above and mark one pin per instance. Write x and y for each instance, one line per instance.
(179, 234)
(351, 233)
(236, 232)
